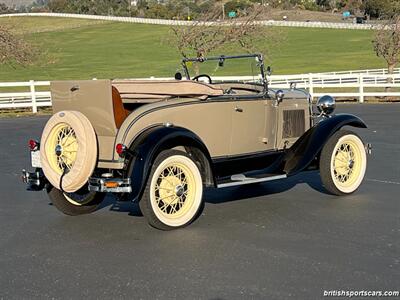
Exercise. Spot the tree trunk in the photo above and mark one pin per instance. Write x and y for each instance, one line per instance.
(391, 67)
(388, 89)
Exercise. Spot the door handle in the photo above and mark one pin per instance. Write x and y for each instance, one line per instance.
(74, 88)
(238, 109)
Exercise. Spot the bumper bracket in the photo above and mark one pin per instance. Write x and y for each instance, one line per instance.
(35, 179)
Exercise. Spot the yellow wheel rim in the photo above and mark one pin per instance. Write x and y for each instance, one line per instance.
(61, 148)
(76, 199)
(347, 163)
(175, 190)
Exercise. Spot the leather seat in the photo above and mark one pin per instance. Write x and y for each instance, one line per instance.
(120, 113)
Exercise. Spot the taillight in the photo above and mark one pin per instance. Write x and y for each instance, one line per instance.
(33, 145)
(121, 149)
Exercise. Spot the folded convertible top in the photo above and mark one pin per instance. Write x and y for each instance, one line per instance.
(165, 89)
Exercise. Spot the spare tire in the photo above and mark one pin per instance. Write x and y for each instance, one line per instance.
(68, 149)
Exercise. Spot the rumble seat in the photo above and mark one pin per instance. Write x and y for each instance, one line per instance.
(120, 113)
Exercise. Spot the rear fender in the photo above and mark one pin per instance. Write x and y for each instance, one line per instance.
(150, 143)
(310, 144)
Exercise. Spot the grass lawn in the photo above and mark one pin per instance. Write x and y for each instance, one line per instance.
(85, 49)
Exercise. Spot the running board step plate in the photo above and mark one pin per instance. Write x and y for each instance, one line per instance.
(240, 179)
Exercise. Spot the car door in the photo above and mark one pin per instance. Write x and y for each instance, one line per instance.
(252, 129)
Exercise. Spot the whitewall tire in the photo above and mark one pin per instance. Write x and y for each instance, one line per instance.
(343, 163)
(174, 191)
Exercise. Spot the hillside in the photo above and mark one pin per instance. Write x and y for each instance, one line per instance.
(82, 49)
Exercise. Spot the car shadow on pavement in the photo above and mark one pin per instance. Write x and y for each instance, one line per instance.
(311, 178)
(217, 196)
(132, 208)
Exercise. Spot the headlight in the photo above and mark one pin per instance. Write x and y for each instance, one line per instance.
(279, 95)
(326, 105)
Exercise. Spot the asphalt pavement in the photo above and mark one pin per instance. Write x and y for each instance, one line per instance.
(278, 240)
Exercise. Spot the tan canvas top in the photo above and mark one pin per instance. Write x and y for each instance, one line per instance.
(139, 89)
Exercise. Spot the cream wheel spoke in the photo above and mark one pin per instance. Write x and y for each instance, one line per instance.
(166, 178)
(70, 151)
(340, 157)
(70, 133)
(163, 199)
(163, 188)
(164, 207)
(65, 161)
(73, 142)
(59, 163)
(173, 207)
(170, 172)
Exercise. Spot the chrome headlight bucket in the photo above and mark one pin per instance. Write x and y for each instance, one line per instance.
(326, 105)
(279, 95)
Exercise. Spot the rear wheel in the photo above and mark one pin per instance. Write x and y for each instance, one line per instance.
(173, 193)
(77, 203)
(343, 163)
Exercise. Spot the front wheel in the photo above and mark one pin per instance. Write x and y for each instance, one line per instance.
(343, 163)
(77, 203)
(174, 191)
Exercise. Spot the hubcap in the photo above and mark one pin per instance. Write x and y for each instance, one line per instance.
(58, 150)
(179, 190)
(351, 163)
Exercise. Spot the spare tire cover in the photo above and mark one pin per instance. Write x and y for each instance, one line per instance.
(69, 145)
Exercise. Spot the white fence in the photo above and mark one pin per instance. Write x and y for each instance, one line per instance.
(365, 83)
(30, 98)
(368, 71)
(359, 85)
(331, 25)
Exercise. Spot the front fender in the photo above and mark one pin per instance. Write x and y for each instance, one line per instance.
(150, 143)
(310, 144)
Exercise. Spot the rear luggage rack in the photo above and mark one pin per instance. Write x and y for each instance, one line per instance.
(110, 185)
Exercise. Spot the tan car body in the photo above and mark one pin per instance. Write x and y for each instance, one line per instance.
(247, 122)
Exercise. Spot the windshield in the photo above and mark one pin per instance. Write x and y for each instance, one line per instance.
(243, 68)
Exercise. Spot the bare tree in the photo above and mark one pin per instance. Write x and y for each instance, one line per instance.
(387, 42)
(210, 34)
(13, 49)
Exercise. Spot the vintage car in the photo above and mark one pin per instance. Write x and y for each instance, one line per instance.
(161, 142)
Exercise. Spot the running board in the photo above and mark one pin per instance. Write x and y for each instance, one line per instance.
(241, 179)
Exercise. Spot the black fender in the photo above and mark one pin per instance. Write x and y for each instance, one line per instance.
(145, 148)
(310, 144)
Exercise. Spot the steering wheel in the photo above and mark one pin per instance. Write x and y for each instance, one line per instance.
(202, 75)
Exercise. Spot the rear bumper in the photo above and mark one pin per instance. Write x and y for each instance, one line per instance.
(110, 185)
(37, 180)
